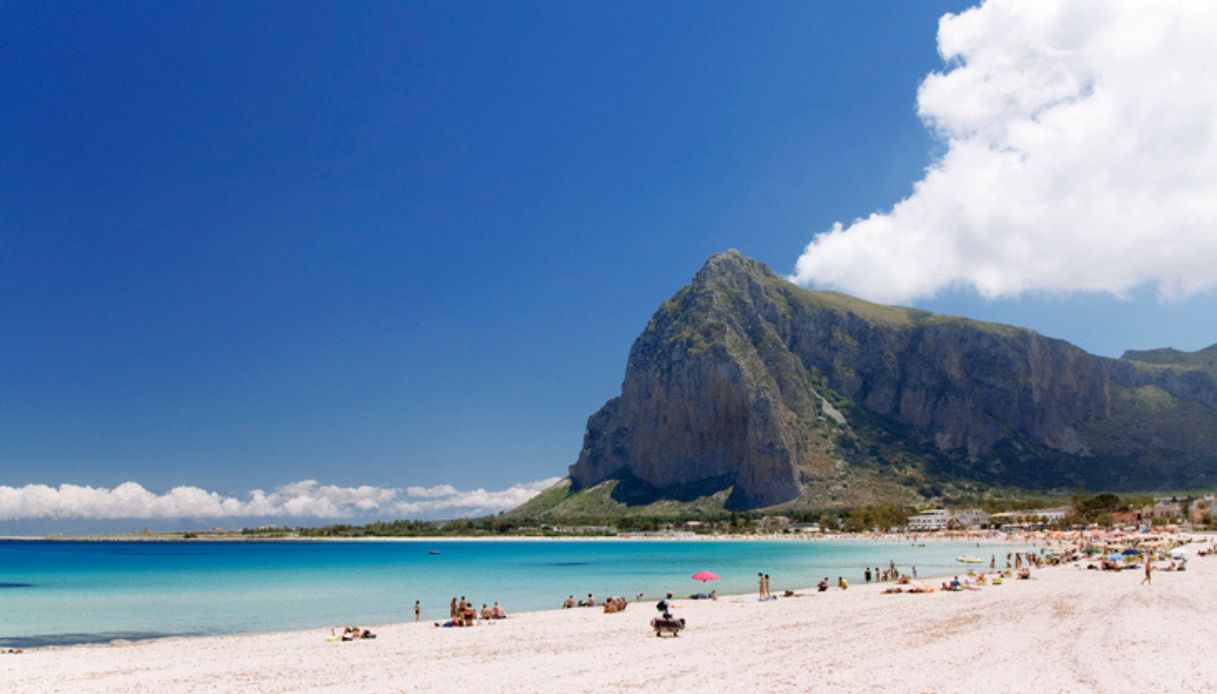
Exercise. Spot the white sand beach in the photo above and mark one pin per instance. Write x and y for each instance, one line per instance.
(1066, 630)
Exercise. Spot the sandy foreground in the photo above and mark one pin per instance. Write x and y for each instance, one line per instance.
(1066, 630)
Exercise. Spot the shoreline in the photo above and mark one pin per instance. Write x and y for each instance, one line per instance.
(934, 578)
(378, 627)
(1065, 629)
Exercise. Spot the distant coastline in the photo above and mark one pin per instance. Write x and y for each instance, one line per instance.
(989, 536)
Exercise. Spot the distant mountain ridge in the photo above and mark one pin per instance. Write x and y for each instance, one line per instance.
(747, 389)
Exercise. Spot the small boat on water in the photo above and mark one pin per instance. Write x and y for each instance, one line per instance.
(970, 560)
(434, 551)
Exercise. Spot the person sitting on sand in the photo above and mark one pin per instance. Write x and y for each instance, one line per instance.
(610, 606)
(366, 634)
(842, 583)
(469, 616)
(486, 614)
(823, 585)
(568, 602)
(497, 612)
(590, 602)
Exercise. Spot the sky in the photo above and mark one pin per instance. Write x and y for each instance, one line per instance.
(311, 261)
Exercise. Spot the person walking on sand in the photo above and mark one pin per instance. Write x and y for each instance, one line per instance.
(1149, 570)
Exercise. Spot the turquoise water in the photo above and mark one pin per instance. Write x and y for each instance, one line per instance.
(76, 592)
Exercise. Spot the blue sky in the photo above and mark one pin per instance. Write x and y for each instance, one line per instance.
(402, 244)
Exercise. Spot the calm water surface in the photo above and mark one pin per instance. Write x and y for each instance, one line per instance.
(75, 592)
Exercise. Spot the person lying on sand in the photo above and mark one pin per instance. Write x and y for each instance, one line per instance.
(352, 633)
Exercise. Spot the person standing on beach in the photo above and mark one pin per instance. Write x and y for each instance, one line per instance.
(452, 609)
(418, 610)
(1149, 570)
(760, 586)
(768, 591)
(867, 574)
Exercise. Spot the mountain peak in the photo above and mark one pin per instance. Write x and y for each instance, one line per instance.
(730, 264)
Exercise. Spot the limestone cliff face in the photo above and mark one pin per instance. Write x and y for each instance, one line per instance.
(734, 377)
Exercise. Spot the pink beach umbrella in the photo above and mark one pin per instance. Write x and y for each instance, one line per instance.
(704, 576)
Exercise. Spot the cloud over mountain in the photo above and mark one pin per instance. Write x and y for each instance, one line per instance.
(1080, 155)
(304, 499)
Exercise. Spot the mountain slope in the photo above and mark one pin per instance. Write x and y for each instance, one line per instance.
(745, 383)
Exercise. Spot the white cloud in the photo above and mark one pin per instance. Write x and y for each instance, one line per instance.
(1081, 155)
(474, 502)
(304, 499)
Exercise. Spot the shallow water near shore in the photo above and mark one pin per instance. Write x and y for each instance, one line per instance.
(61, 593)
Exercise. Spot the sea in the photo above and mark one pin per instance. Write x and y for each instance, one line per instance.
(68, 592)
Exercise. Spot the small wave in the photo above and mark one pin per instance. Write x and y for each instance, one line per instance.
(44, 640)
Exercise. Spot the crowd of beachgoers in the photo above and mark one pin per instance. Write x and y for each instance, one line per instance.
(463, 613)
(1103, 550)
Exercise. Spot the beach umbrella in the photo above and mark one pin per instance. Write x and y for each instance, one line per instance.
(704, 576)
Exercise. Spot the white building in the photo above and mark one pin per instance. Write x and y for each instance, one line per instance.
(934, 519)
(971, 518)
(1049, 515)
